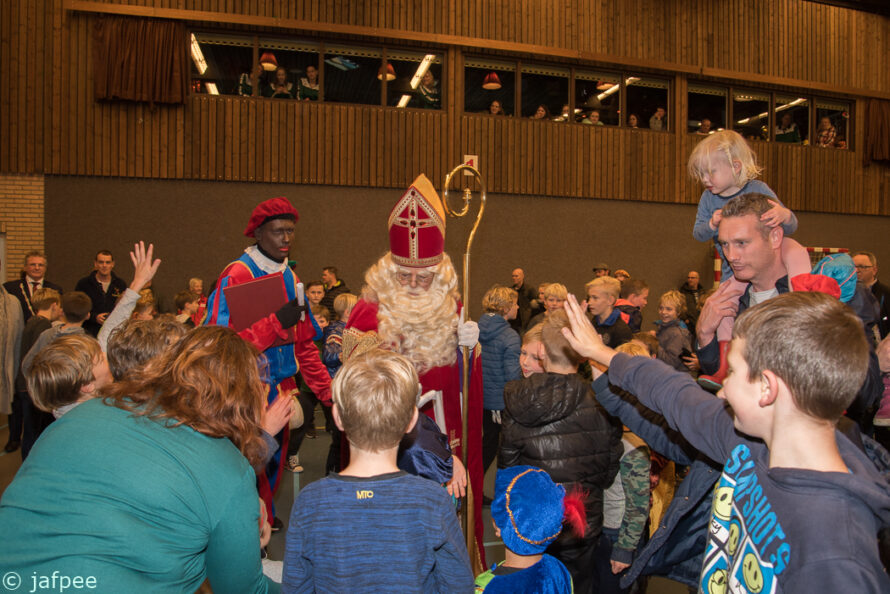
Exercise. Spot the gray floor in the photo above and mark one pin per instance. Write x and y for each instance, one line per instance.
(313, 454)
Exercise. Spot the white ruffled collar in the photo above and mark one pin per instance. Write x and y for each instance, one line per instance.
(267, 265)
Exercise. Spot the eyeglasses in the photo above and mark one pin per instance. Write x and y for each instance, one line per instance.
(863, 266)
(423, 279)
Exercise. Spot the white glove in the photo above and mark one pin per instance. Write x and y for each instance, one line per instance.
(468, 334)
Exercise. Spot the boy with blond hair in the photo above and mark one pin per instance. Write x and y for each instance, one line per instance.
(602, 293)
(674, 340)
(500, 362)
(372, 527)
(798, 505)
(68, 372)
(553, 295)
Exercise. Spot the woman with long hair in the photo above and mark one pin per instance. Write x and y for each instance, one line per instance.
(151, 488)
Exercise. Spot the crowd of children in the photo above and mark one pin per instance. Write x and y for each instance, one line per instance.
(586, 410)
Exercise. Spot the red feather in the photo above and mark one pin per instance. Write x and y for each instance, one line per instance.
(574, 513)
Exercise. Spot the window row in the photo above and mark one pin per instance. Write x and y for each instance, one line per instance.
(317, 71)
(762, 115)
(311, 71)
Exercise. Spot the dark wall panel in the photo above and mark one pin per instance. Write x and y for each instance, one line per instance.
(197, 229)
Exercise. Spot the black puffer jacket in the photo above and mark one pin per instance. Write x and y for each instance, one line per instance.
(552, 421)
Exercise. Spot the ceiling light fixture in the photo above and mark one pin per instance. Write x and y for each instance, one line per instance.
(388, 71)
(198, 55)
(268, 61)
(491, 82)
(421, 70)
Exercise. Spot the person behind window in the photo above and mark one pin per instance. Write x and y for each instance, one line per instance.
(658, 121)
(430, 97)
(787, 131)
(633, 121)
(705, 127)
(496, 109)
(826, 134)
(541, 113)
(307, 89)
(280, 88)
(593, 118)
(248, 83)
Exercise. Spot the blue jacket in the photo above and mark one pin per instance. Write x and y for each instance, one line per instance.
(677, 549)
(500, 359)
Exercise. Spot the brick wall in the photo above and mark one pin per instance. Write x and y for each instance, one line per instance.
(21, 219)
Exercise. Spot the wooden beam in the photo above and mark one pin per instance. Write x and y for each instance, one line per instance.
(594, 58)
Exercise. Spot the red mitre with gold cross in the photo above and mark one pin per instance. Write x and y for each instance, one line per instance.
(417, 226)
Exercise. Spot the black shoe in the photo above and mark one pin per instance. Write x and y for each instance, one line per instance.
(310, 433)
(486, 500)
(12, 445)
(277, 525)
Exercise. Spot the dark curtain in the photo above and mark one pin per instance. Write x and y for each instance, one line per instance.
(140, 60)
(877, 133)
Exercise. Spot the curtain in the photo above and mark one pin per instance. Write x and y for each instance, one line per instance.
(877, 133)
(140, 60)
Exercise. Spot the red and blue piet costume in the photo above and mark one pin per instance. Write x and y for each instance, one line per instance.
(285, 361)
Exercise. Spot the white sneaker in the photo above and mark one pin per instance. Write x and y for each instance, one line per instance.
(293, 463)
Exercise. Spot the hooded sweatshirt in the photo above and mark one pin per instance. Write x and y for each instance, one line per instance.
(771, 529)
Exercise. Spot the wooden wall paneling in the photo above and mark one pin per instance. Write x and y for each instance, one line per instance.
(249, 152)
(58, 35)
(339, 133)
(369, 164)
(239, 139)
(6, 88)
(128, 129)
(227, 138)
(177, 132)
(69, 111)
(218, 138)
(266, 142)
(35, 147)
(379, 131)
(291, 139)
(151, 140)
(144, 162)
(166, 145)
(276, 138)
(509, 149)
(20, 74)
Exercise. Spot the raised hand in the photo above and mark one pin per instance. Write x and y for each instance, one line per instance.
(145, 268)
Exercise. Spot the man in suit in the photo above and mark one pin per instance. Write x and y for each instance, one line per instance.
(33, 277)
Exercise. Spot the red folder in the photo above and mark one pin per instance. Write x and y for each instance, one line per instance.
(255, 300)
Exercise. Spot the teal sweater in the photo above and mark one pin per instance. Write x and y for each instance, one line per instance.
(136, 505)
